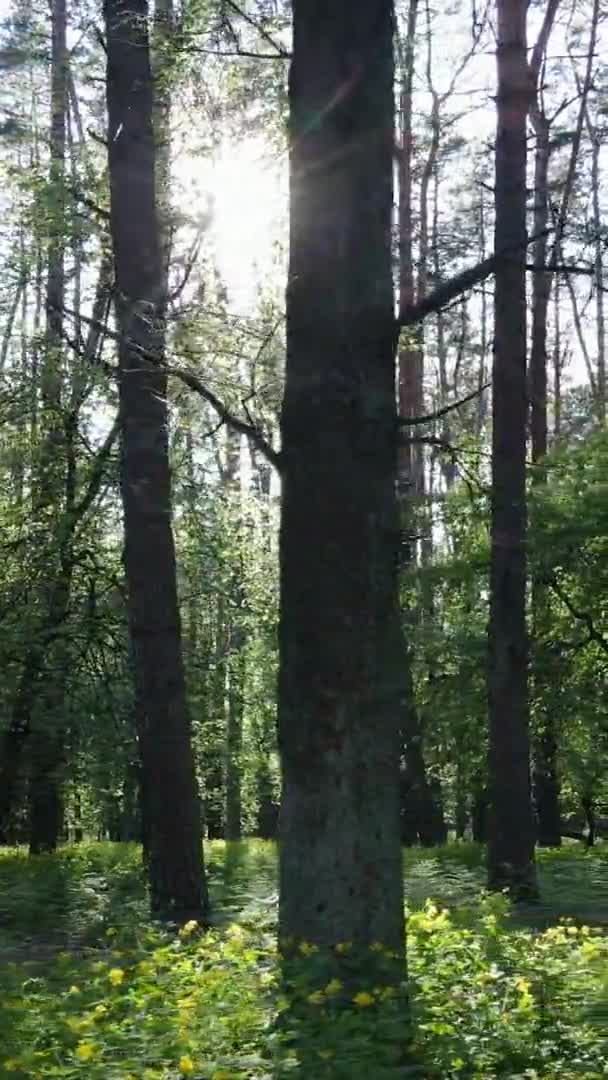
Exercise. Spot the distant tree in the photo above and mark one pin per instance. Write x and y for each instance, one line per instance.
(510, 833)
(172, 825)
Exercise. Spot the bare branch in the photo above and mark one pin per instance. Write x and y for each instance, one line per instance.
(97, 471)
(268, 38)
(253, 433)
(582, 616)
(449, 290)
(411, 421)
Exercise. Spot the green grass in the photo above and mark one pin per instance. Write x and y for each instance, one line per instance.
(89, 988)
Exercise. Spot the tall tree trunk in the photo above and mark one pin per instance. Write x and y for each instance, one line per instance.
(38, 707)
(510, 833)
(409, 363)
(234, 735)
(173, 827)
(236, 641)
(598, 242)
(418, 813)
(546, 782)
(340, 642)
(557, 363)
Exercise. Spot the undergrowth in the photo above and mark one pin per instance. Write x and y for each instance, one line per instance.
(90, 988)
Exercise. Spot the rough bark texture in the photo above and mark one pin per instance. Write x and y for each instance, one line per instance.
(172, 826)
(510, 832)
(340, 642)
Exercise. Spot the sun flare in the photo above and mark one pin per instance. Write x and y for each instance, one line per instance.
(246, 184)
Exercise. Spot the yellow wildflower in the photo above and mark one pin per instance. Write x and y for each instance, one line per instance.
(316, 998)
(306, 948)
(111, 931)
(85, 1051)
(333, 987)
(116, 976)
(74, 990)
(344, 946)
(76, 1024)
(363, 999)
(186, 1065)
(100, 1010)
(188, 929)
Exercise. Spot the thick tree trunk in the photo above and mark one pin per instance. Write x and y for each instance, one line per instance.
(510, 833)
(340, 643)
(173, 827)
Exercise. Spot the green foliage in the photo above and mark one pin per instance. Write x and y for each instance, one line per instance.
(88, 987)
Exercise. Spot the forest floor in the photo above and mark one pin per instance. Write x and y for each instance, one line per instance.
(89, 987)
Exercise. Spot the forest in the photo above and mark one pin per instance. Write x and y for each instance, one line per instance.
(304, 539)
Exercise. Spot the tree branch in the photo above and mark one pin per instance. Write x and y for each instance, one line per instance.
(253, 433)
(96, 474)
(412, 421)
(449, 290)
(582, 616)
(268, 38)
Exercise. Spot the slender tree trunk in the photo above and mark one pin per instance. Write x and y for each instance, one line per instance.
(234, 737)
(589, 812)
(173, 827)
(557, 364)
(410, 369)
(417, 810)
(546, 781)
(38, 711)
(340, 643)
(236, 643)
(510, 834)
(598, 242)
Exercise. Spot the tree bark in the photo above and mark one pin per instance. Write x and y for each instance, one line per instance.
(173, 827)
(340, 643)
(510, 832)
(546, 780)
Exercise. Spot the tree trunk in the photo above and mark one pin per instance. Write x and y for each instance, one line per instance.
(510, 833)
(479, 815)
(598, 241)
(589, 812)
(173, 827)
(234, 739)
(546, 782)
(341, 651)
(236, 640)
